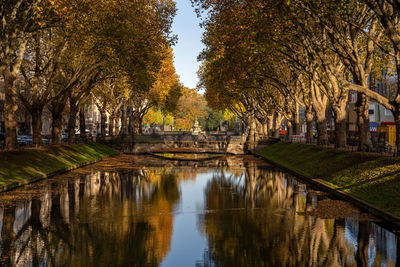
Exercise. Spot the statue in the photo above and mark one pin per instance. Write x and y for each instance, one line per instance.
(196, 128)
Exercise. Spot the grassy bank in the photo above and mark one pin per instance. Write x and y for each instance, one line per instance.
(369, 177)
(30, 162)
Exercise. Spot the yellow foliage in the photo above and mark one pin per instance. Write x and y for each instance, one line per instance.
(153, 116)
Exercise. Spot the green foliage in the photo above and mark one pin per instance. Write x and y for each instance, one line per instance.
(212, 119)
(169, 120)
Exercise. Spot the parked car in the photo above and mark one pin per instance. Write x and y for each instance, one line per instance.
(282, 133)
(46, 139)
(24, 140)
(64, 137)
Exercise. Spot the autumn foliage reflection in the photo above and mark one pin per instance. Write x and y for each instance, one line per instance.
(102, 219)
(255, 220)
(249, 214)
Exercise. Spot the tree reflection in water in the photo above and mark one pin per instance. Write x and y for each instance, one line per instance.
(250, 217)
(103, 219)
(253, 220)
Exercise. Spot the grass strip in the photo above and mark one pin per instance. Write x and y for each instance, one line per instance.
(370, 177)
(29, 162)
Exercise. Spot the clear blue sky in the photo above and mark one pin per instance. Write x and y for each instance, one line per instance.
(186, 26)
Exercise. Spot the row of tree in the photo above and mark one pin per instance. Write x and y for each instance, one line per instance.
(59, 53)
(265, 59)
(191, 107)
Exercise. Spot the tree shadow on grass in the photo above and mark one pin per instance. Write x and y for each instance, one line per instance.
(370, 180)
(27, 162)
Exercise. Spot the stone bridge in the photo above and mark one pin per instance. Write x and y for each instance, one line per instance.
(183, 141)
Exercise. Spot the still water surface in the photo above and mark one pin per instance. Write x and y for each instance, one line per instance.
(141, 211)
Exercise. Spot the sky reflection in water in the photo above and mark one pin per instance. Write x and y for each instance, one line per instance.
(160, 214)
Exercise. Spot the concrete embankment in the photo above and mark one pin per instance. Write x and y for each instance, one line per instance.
(370, 181)
(27, 165)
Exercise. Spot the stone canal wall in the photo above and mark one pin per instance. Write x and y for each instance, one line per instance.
(236, 148)
(369, 181)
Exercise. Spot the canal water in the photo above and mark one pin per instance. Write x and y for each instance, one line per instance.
(144, 211)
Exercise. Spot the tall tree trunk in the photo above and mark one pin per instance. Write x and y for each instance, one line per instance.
(73, 110)
(56, 126)
(135, 124)
(82, 124)
(259, 127)
(270, 120)
(10, 66)
(396, 112)
(251, 138)
(310, 124)
(276, 133)
(56, 108)
(296, 120)
(117, 125)
(111, 126)
(289, 128)
(245, 133)
(362, 109)
(322, 137)
(36, 115)
(124, 125)
(264, 126)
(10, 109)
(103, 123)
(140, 125)
(319, 102)
(277, 125)
(396, 115)
(131, 121)
(340, 125)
